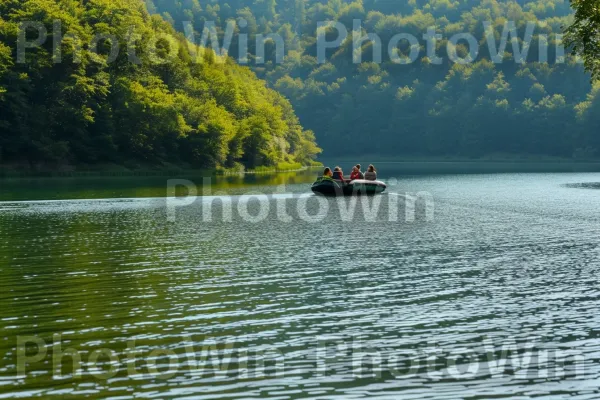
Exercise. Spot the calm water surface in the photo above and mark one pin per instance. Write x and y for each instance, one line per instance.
(496, 297)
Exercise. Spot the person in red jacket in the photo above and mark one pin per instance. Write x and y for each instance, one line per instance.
(360, 173)
(356, 174)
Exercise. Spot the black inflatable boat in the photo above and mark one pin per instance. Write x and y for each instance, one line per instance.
(330, 187)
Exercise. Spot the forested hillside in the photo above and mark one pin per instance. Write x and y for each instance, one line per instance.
(135, 109)
(420, 109)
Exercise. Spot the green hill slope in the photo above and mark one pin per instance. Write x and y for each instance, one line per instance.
(479, 109)
(152, 104)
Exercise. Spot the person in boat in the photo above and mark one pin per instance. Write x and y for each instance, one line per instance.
(371, 174)
(327, 174)
(360, 174)
(338, 174)
(356, 174)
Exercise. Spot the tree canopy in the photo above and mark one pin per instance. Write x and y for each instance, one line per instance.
(159, 106)
(543, 106)
(584, 33)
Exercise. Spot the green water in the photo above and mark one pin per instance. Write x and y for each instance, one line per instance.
(138, 187)
(490, 291)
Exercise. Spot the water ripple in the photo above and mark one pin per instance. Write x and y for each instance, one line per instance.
(497, 297)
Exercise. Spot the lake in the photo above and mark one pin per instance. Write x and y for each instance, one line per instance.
(447, 286)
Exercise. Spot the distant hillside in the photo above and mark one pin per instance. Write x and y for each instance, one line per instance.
(421, 109)
(89, 109)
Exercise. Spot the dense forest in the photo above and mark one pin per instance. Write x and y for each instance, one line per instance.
(476, 109)
(133, 109)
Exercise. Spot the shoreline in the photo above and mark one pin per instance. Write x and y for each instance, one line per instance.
(433, 166)
(10, 173)
(405, 166)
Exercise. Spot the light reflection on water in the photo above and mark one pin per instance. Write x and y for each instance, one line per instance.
(507, 270)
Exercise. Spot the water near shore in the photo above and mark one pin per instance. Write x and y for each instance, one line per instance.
(494, 295)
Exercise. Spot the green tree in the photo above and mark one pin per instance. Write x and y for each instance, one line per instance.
(583, 34)
(171, 107)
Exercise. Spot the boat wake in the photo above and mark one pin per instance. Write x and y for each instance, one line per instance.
(585, 185)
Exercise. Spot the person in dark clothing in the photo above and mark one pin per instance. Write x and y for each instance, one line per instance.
(338, 174)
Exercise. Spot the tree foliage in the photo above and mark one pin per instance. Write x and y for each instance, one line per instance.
(539, 108)
(584, 33)
(164, 108)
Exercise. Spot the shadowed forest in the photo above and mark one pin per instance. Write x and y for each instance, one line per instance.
(475, 110)
(216, 113)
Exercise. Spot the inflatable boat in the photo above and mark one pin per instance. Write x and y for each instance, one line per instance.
(357, 187)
